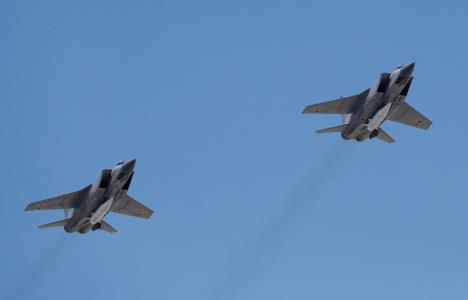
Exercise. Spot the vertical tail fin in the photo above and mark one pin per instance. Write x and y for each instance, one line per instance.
(107, 227)
(382, 135)
(346, 118)
(68, 212)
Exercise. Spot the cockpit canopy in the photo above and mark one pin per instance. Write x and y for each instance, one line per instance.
(120, 163)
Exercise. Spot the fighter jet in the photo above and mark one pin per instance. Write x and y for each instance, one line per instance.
(364, 113)
(85, 209)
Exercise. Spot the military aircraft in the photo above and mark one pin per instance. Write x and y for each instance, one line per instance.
(364, 113)
(85, 209)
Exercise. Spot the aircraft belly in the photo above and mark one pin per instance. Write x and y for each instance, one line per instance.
(79, 224)
(360, 122)
(379, 117)
(85, 228)
(364, 135)
(101, 212)
(355, 133)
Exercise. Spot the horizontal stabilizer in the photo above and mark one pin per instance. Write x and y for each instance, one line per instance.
(382, 135)
(54, 224)
(106, 227)
(338, 128)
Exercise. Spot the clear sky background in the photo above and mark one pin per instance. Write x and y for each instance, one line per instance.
(250, 203)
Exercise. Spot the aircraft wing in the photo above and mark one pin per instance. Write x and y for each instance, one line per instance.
(128, 206)
(60, 202)
(407, 115)
(344, 105)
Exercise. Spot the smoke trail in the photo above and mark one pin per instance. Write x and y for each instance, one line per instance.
(245, 267)
(40, 268)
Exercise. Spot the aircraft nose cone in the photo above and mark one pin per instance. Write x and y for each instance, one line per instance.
(129, 165)
(407, 70)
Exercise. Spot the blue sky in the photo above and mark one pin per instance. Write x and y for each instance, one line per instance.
(250, 203)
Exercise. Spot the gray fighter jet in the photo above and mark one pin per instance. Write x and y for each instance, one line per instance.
(363, 114)
(85, 209)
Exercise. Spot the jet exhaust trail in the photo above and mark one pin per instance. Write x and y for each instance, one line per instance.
(36, 272)
(245, 267)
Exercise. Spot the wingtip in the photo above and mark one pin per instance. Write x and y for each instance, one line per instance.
(428, 125)
(311, 109)
(150, 214)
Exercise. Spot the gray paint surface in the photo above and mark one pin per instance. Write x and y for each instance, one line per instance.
(364, 113)
(88, 207)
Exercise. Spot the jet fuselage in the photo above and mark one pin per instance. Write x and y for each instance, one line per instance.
(102, 195)
(386, 93)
